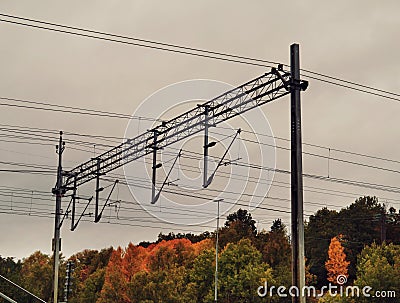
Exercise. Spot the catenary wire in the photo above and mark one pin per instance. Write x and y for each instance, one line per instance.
(81, 142)
(193, 52)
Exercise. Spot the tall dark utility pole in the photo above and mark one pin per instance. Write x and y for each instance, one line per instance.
(298, 263)
(58, 191)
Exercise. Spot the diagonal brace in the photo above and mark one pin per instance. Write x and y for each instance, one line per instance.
(74, 225)
(98, 216)
(209, 180)
(156, 197)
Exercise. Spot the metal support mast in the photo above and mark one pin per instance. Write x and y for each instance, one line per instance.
(205, 147)
(297, 222)
(73, 205)
(58, 191)
(154, 167)
(216, 255)
(98, 190)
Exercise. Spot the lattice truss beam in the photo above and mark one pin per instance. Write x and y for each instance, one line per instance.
(261, 90)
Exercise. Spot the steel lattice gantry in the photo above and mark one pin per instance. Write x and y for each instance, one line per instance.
(266, 88)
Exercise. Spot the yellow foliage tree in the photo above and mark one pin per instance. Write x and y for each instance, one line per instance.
(336, 264)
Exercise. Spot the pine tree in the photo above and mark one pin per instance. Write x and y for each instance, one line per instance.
(336, 264)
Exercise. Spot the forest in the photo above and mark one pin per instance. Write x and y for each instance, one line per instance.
(360, 242)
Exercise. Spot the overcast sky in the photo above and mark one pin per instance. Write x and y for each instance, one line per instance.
(353, 40)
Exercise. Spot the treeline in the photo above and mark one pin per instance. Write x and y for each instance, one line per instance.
(181, 267)
(364, 222)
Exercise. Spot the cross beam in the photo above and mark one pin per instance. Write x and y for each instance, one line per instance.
(261, 90)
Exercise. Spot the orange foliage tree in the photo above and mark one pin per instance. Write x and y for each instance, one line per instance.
(172, 253)
(115, 283)
(135, 262)
(336, 264)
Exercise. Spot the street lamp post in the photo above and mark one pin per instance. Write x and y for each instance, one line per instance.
(216, 254)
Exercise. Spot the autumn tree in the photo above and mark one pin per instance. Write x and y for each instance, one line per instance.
(320, 229)
(199, 247)
(379, 268)
(88, 275)
(276, 249)
(164, 279)
(201, 277)
(244, 218)
(168, 286)
(239, 225)
(91, 287)
(328, 298)
(11, 270)
(393, 226)
(336, 264)
(168, 254)
(190, 236)
(37, 273)
(360, 223)
(134, 260)
(115, 284)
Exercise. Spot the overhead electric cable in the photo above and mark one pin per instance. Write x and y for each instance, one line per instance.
(94, 34)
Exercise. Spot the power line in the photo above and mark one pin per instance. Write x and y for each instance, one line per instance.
(144, 40)
(375, 186)
(316, 145)
(49, 216)
(142, 181)
(113, 139)
(40, 210)
(319, 177)
(89, 111)
(188, 154)
(324, 156)
(40, 197)
(66, 109)
(169, 47)
(228, 175)
(357, 89)
(132, 43)
(348, 182)
(349, 82)
(43, 215)
(26, 171)
(380, 187)
(35, 134)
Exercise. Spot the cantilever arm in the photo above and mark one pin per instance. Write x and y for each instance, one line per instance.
(209, 180)
(65, 213)
(157, 196)
(80, 217)
(98, 217)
